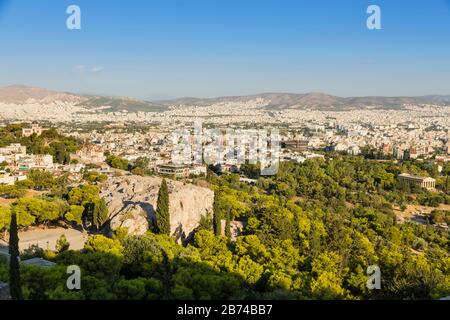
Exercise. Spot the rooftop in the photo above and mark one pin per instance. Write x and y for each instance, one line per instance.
(39, 262)
(410, 176)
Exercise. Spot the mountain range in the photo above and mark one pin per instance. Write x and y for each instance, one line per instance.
(19, 94)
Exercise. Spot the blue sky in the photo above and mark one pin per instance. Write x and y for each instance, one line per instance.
(165, 48)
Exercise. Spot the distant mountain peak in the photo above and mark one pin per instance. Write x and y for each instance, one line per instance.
(19, 93)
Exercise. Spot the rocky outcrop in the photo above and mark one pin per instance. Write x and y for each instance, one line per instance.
(132, 200)
(236, 228)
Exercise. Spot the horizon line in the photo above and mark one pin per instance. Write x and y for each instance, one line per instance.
(74, 92)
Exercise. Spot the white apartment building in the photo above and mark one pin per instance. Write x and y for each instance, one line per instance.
(36, 161)
(91, 153)
(9, 179)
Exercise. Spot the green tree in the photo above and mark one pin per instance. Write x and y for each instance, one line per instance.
(5, 217)
(217, 214)
(30, 210)
(100, 213)
(97, 212)
(117, 162)
(62, 244)
(75, 214)
(14, 267)
(60, 152)
(41, 179)
(120, 234)
(447, 184)
(162, 210)
(228, 225)
(138, 171)
(84, 194)
(94, 176)
(99, 243)
(141, 162)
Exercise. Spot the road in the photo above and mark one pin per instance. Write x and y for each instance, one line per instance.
(47, 238)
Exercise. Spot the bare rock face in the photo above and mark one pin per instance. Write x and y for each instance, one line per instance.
(236, 228)
(131, 201)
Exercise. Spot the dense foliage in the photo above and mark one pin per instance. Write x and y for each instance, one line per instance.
(80, 206)
(49, 142)
(117, 162)
(310, 232)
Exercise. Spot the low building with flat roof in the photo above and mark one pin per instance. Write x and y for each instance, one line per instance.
(40, 262)
(181, 171)
(295, 145)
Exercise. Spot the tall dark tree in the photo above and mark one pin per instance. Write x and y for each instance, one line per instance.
(96, 213)
(217, 215)
(228, 225)
(162, 210)
(60, 152)
(14, 268)
(100, 213)
(166, 276)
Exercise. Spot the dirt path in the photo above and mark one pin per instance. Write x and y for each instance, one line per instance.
(47, 238)
(413, 211)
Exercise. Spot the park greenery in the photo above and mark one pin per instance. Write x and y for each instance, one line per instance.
(77, 206)
(49, 142)
(139, 167)
(311, 232)
(117, 162)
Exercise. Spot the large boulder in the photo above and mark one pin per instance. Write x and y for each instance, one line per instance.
(131, 202)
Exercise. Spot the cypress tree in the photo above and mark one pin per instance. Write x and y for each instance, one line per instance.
(166, 276)
(14, 271)
(217, 215)
(100, 213)
(228, 225)
(162, 210)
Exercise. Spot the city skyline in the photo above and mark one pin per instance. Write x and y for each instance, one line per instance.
(225, 151)
(203, 49)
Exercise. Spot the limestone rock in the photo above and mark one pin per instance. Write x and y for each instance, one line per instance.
(236, 228)
(131, 202)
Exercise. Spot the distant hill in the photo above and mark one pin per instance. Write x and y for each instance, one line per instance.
(20, 94)
(276, 100)
(313, 100)
(122, 103)
(437, 98)
(318, 100)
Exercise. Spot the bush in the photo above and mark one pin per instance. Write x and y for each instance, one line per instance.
(117, 162)
(33, 251)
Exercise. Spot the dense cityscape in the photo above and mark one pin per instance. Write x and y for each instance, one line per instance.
(224, 159)
(89, 183)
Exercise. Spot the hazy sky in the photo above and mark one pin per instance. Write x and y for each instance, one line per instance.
(165, 48)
